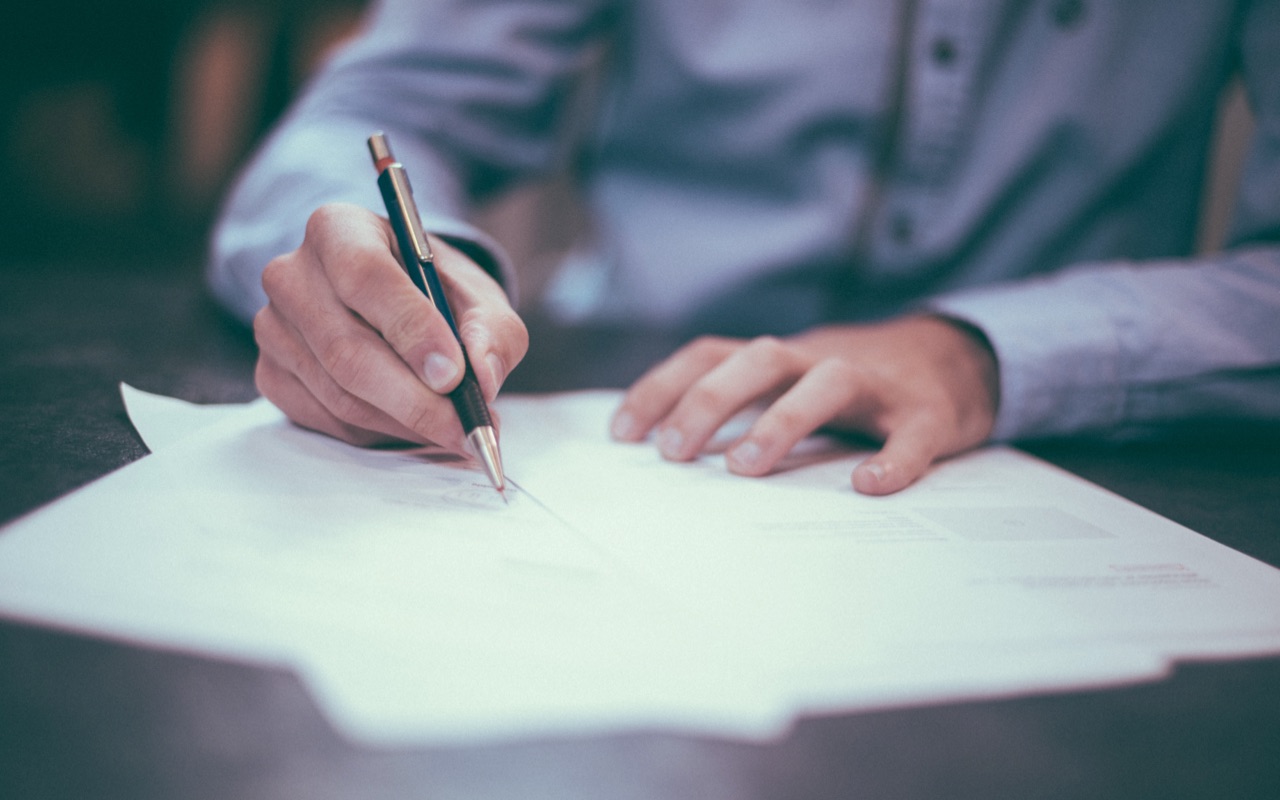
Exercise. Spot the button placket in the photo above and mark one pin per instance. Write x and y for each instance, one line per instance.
(945, 51)
(944, 63)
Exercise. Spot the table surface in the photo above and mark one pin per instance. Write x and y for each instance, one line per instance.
(87, 717)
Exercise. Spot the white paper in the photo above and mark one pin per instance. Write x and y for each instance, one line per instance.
(616, 590)
(162, 421)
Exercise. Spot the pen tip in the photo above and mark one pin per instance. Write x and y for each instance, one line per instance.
(484, 443)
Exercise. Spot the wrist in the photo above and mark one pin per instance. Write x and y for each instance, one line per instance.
(974, 357)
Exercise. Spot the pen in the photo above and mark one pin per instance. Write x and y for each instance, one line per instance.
(419, 262)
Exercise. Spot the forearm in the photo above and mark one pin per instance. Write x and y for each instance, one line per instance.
(1119, 348)
(467, 113)
(307, 163)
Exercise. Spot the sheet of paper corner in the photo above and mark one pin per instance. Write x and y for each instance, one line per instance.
(166, 423)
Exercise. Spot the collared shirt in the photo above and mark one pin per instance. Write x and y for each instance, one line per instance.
(760, 166)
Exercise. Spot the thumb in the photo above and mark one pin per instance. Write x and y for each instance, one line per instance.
(907, 452)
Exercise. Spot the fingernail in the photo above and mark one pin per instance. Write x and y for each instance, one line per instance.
(439, 371)
(623, 426)
(670, 441)
(745, 456)
(869, 475)
(497, 372)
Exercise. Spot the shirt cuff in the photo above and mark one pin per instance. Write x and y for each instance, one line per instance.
(1058, 351)
(299, 171)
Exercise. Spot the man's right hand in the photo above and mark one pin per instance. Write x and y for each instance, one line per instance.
(348, 346)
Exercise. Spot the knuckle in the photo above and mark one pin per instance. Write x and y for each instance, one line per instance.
(359, 272)
(645, 394)
(324, 220)
(406, 328)
(928, 433)
(704, 396)
(781, 422)
(264, 378)
(768, 351)
(709, 348)
(276, 277)
(838, 371)
(352, 260)
(944, 422)
(766, 344)
(262, 327)
(421, 417)
(503, 332)
(346, 407)
(344, 359)
(475, 332)
(515, 333)
(781, 427)
(270, 332)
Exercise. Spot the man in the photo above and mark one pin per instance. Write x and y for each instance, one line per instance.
(943, 222)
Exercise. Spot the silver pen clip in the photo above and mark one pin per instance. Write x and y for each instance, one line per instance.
(385, 161)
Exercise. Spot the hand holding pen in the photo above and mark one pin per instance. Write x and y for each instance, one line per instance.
(420, 263)
(350, 347)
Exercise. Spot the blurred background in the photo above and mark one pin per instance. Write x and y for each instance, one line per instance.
(123, 122)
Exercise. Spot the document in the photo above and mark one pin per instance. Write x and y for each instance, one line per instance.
(617, 591)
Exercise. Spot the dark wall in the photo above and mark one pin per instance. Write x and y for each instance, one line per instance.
(123, 122)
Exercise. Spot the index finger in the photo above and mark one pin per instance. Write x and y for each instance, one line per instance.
(495, 336)
(658, 391)
(359, 257)
(348, 351)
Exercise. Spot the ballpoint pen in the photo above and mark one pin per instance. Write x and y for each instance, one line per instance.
(419, 262)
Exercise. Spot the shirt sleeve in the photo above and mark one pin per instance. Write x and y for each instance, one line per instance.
(469, 94)
(1126, 348)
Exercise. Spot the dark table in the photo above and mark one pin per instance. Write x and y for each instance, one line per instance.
(82, 717)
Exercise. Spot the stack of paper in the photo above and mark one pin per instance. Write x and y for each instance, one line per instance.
(617, 590)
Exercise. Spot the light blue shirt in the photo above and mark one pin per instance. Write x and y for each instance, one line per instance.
(760, 166)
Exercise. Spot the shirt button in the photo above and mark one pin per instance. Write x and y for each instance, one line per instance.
(1067, 14)
(943, 51)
